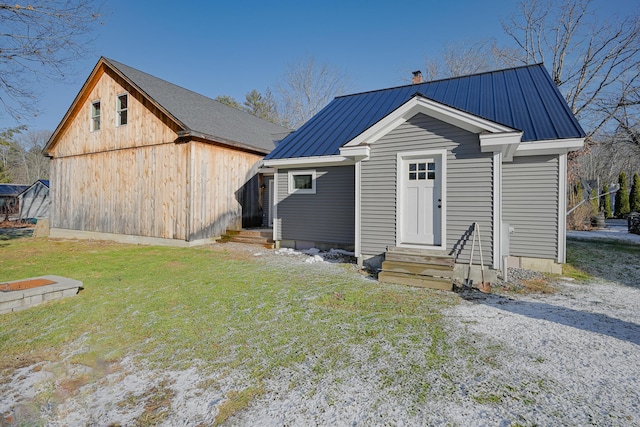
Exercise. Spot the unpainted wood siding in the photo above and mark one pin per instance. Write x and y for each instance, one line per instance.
(327, 216)
(469, 183)
(34, 203)
(225, 184)
(146, 124)
(140, 191)
(530, 205)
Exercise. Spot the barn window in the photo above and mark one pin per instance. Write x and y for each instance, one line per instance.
(121, 109)
(302, 182)
(95, 115)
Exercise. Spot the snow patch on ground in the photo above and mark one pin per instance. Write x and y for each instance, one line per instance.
(314, 255)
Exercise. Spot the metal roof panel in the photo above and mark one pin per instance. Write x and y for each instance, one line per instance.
(522, 98)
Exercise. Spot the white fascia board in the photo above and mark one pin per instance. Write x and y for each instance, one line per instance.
(316, 161)
(503, 142)
(266, 171)
(357, 152)
(431, 108)
(555, 146)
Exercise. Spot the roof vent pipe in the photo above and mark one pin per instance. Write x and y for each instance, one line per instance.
(417, 77)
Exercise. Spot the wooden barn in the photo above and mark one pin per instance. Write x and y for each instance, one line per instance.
(138, 159)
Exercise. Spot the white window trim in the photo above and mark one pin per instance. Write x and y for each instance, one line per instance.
(119, 110)
(91, 116)
(293, 190)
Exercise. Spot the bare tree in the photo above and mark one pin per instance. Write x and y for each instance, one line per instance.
(306, 88)
(30, 163)
(592, 63)
(461, 58)
(40, 38)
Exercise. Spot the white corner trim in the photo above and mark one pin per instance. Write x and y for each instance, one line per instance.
(316, 161)
(356, 152)
(419, 104)
(562, 209)
(358, 209)
(503, 142)
(497, 210)
(275, 206)
(554, 146)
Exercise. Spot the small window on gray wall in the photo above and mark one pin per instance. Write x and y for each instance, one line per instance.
(121, 109)
(303, 182)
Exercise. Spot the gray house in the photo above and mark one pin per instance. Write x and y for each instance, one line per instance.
(410, 169)
(34, 201)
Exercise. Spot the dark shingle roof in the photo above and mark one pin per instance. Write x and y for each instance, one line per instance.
(202, 115)
(12, 189)
(523, 98)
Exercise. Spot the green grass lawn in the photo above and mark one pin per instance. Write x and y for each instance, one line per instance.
(603, 258)
(214, 309)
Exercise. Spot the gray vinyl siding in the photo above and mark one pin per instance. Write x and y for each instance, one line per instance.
(469, 183)
(328, 216)
(530, 205)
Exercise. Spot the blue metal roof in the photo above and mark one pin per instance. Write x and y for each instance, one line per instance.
(12, 189)
(523, 98)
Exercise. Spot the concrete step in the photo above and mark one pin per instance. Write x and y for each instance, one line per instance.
(415, 280)
(432, 270)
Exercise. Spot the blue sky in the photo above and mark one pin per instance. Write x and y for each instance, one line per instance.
(230, 47)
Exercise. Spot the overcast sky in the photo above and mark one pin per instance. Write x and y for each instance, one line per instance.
(230, 47)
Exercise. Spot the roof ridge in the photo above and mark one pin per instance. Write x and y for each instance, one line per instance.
(115, 63)
(444, 79)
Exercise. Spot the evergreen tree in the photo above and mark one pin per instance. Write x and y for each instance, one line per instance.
(228, 100)
(634, 197)
(622, 197)
(606, 202)
(4, 174)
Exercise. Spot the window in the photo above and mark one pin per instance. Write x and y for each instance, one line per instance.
(422, 171)
(121, 110)
(95, 115)
(302, 182)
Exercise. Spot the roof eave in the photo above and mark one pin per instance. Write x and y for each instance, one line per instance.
(85, 87)
(186, 135)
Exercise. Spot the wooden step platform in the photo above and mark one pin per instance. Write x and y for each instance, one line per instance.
(260, 236)
(416, 267)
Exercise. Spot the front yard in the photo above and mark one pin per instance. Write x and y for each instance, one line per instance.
(238, 335)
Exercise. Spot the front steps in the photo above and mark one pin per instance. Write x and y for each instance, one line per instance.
(258, 236)
(416, 267)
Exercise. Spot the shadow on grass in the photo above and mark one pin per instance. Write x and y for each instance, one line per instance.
(15, 233)
(606, 259)
(586, 321)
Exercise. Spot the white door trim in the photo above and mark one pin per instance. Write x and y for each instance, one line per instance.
(408, 155)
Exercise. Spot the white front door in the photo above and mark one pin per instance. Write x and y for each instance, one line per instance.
(420, 220)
